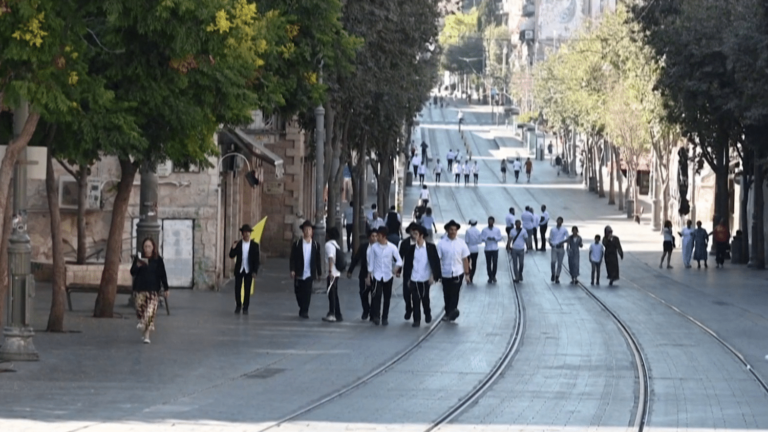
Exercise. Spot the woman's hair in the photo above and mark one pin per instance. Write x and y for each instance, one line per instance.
(332, 234)
(154, 246)
(575, 229)
(668, 224)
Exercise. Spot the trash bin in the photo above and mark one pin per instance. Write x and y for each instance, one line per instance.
(409, 178)
(593, 184)
(736, 251)
(630, 205)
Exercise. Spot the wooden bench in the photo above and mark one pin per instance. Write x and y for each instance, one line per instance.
(87, 278)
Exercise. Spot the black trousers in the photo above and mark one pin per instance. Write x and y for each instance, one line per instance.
(349, 236)
(333, 297)
(421, 178)
(458, 178)
(543, 230)
(303, 290)
(475, 177)
(595, 272)
(381, 288)
(472, 265)
(450, 164)
(491, 263)
(466, 179)
(451, 289)
(535, 236)
(720, 249)
(407, 296)
(243, 290)
(415, 170)
(437, 177)
(517, 175)
(419, 296)
(365, 296)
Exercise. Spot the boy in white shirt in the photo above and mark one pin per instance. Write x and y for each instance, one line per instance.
(457, 172)
(596, 252)
(437, 170)
(422, 173)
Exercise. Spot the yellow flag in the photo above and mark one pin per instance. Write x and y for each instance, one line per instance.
(258, 230)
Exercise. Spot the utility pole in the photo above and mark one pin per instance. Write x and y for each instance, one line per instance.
(319, 231)
(18, 332)
(148, 225)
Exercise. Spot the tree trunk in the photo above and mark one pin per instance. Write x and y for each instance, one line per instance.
(612, 184)
(58, 291)
(4, 257)
(105, 301)
(665, 199)
(331, 164)
(82, 204)
(721, 187)
(746, 180)
(619, 177)
(758, 235)
(600, 178)
(384, 181)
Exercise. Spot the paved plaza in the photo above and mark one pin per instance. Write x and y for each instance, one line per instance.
(210, 370)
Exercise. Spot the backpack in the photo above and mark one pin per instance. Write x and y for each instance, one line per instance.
(340, 260)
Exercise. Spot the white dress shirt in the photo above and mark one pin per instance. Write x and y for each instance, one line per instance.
(491, 237)
(510, 220)
(244, 268)
(424, 194)
(416, 160)
(472, 238)
(438, 169)
(518, 243)
(528, 221)
(422, 169)
(349, 215)
(450, 155)
(452, 253)
(330, 252)
(596, 252)
(475, 169)
(376, 223)
(516, 165)
(557, 235)
(457, 168)
(421, 270)
(466, 168)
(380, 258)
(307, 248)
(544, 215)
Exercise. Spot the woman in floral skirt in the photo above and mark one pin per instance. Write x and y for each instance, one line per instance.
(149, 278)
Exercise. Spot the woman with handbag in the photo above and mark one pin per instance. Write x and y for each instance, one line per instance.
(149, 278)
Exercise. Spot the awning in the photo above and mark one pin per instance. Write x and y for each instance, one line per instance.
(256, 149)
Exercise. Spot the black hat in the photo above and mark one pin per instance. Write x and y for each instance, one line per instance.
(452, 223)
(246, 227)
(411, 226)
(307, 223)
(421, 229)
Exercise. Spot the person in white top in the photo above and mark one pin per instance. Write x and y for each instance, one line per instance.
(669, 243)
(422, 173)
(457, 172)
(415, 162)
(491, 235)
(349, 223)
(516, 246)
(687, 235)
(424, 195)
(305, 266)
(596, 252)
(516, 167)
(557, 238)
(376, 221)
(437, 171)
(475, 172)
(334, 309)
(449, 157)
(529, 225)
(543, 221)
(454, 266)
(461, 119)
(381, 256)
(466, 169)
(510, 219)
(472, 238)
(369, 214)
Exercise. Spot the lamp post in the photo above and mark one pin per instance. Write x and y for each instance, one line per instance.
(18, 332)
(148, 226)
(319, 231)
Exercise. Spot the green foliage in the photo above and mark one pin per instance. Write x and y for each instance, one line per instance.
(457, 26)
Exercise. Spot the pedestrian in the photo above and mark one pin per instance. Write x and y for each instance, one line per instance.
(424, 196)
(305, 266)
(543, 221)
(529, 225)
(364, 287)
(687, 236)
(473, 240)
(457, 172)
(596, 252)
(509, 220)
(437, 171)
(428, 222)
(516, 243)
(394, 224)
(381, 256)
(422, 173)
(550, 147)
(613, 252)
(558, 163)
(574, 244)
(491, 236)
(557, 238)
(721, 237)
(475, 172)
(461, 119)
(376, 221)
(424, 147)
(535, 229)
(449, 158)
(466, 169)
(334, 272)
(416, 162)
(700, 245)
(668, 245)
(245, 269)
(149, 277)
(516, 167)
(369, 214)
(421, 267)
(454, 268)
(401, 250)
(504, 170)
(349, 223)
(528, 169)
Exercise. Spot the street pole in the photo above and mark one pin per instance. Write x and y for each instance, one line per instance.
(656, 184)
(319, 231)
(18, 331)
(148, 226)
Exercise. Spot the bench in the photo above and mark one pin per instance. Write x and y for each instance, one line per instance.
(87, 278)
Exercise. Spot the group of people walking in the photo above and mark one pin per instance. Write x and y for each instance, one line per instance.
(695, 242)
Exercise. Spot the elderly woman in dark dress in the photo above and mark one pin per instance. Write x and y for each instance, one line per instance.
(613, 252)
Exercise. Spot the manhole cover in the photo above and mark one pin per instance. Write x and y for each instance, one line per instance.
(265, 373)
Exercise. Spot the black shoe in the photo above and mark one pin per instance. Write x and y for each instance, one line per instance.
(365, 316)
(427, 318)
(610, 282)
(521, 278)
(245, 311)
(303, 315)
(375, 321)
(445, 318)
(515, 280)
(339, 318)
(384, 322)
(494, 280)
(407, 315)
(237, 310)
(416, 324)
(490, 281)
(597, 283)
(557, 280)
(453, 315)
(553, 278)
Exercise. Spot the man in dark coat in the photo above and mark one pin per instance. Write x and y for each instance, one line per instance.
(245, 269)
(305, 266)
(404, 245)
(361, 258)
(421, 268)
(613, 252)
